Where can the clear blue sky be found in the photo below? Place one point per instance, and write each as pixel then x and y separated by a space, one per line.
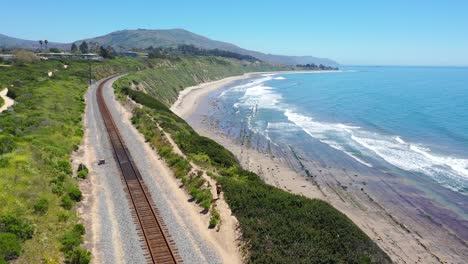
pixel 397 32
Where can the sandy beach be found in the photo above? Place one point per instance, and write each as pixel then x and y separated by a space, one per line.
pixel 371 201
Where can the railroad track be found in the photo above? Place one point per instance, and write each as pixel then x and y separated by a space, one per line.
pixel 154 236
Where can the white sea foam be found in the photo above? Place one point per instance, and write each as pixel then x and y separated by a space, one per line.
pixel 261 96
pixel 280 78
pixel 243 87
pixel 399 140
pixel 450 172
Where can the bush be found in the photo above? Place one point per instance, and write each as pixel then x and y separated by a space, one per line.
pixel 64 166
pixel 10 246
pixel 12 224
pixel 7 143
pixel 74 193
pixel 63 216
pixel 67 202
pixel 73 238
pixel 78 256
pixel 41 206
pixel 215 218
pixel 82 172
pixel 201 159
pixel 25 57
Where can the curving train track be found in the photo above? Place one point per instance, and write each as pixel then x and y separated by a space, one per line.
pixel 155 239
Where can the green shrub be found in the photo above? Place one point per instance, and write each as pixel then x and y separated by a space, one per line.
pixel 63 216
pixel 67 202
pixel 78 256
pixel 64 166
pixel 201 159
pixel 12 224
pixel 74 193
pixel 41 206
pixel 72 238
pixel 82 172
pixel 215 218
pixel 10 246
pixel 7 144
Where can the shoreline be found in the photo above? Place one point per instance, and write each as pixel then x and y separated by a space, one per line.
pixel 403 243
pixel 191 96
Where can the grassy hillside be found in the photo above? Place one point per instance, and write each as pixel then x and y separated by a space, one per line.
pixel 277 227
pixel 171 76
pixel 37 191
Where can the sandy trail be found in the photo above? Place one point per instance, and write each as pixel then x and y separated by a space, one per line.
pixel 8 101
pixel 402 243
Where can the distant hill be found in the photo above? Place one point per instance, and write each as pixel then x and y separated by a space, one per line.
pixel 10 43
pixel 144 38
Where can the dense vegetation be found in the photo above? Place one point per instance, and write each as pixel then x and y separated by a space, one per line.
pixel 314 67
pixel 37 136
pixel 277 227
pixel 194 51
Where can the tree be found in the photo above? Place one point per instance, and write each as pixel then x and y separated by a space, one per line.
pixel 40 43
pixel 55 50
pixel 106 53
pixel 84 47
pixel 24 57
pixel 74 48
pixel 46 42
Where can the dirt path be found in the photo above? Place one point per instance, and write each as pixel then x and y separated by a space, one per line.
pixel 7 100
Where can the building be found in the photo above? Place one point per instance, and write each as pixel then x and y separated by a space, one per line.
pixel 7 56
pixel 89 56
pixel 134 54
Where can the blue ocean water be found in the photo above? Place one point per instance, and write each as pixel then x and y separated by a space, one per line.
pixel 411 118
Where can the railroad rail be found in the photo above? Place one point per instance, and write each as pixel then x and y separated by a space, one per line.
pixel 154 236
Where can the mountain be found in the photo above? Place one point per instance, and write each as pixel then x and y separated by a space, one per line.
pixel 144 38
pixel 11 43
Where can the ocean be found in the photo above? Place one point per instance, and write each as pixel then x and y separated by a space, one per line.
pixel 406 120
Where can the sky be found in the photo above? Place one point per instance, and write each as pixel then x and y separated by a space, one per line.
pixel 397 32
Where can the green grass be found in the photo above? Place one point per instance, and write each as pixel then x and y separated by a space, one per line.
pixel 36 140
pixel 277 226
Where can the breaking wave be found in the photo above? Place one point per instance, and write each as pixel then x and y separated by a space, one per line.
pixel 364 146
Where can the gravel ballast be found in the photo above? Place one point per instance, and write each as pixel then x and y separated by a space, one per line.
pixel 115 238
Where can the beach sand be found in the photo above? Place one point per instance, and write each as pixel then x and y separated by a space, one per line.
pixel 369 200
